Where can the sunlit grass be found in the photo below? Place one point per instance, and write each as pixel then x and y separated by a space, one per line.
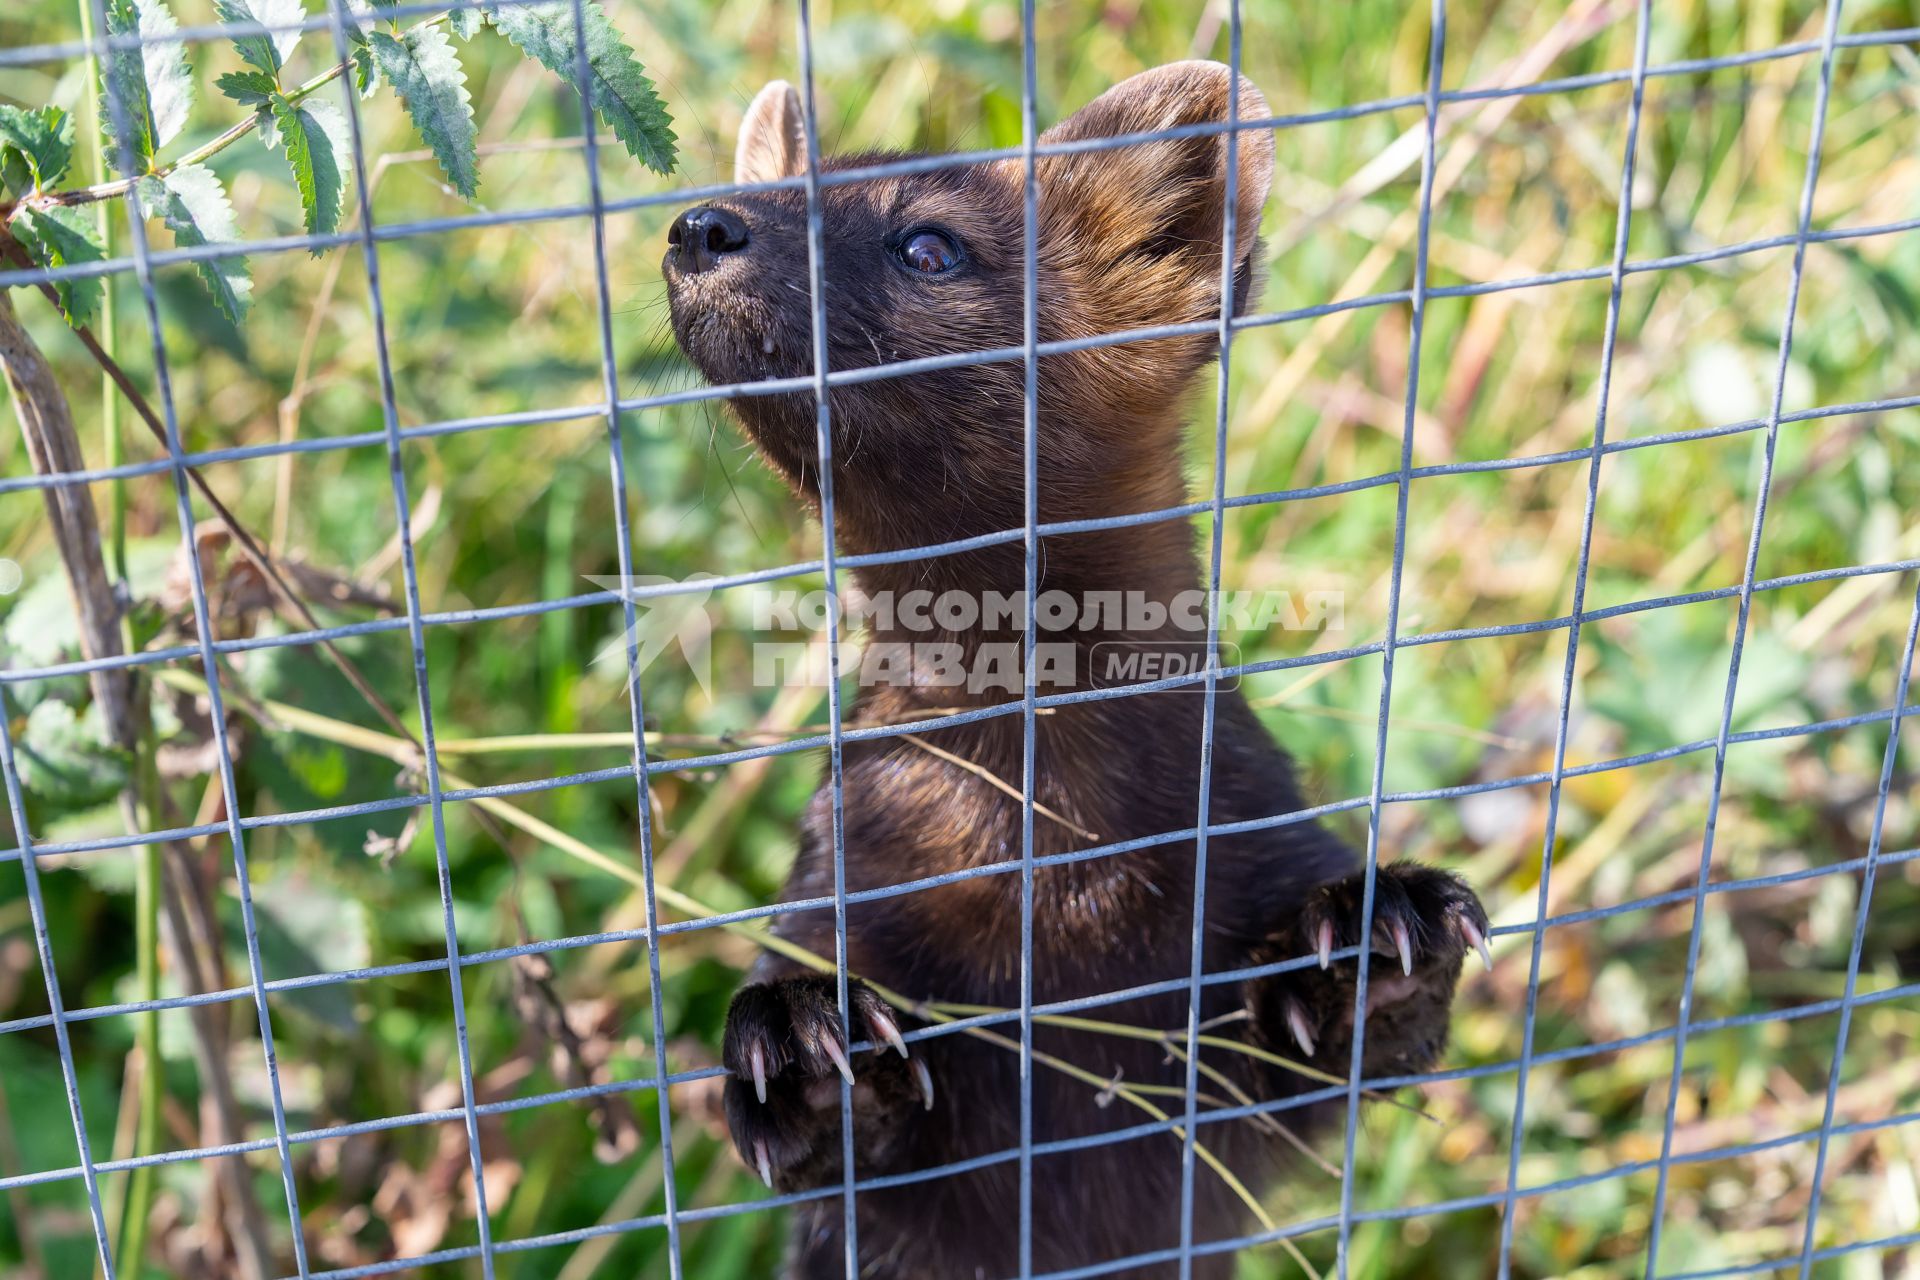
pixel 502 319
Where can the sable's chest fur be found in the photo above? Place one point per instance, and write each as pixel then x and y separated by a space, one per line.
pixel 1108 921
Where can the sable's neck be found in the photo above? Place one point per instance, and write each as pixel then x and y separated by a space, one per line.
pixel 1137 576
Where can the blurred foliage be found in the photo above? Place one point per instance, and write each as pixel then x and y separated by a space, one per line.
pixel 485 321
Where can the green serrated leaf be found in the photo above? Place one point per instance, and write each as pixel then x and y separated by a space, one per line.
pixel 620 91
pixel 193 204
pixel 153 83
pixel 126 84
pixel 425 72
pixel 15 176
pixel 366 74
pixel 65 236
pixel 67 761
pixel 169 78
pixel 250 88
pixel 357 13
pixel 44 138
pixel 315 136
pixel 464 22
pixel 269 52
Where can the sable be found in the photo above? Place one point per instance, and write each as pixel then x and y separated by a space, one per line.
pixel 931 264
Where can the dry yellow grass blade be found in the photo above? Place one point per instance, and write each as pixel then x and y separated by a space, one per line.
pixel 995 780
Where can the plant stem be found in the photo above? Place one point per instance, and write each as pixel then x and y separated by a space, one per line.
pixel 109 402
pixel 139 1188
pixel 146 934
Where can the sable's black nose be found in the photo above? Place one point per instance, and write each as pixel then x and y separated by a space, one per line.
pixel 701 235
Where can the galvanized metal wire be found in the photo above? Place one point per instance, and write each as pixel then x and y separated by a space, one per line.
pixel 1694 934
pixel 416 637
pixel 143 261
pixel 1623 223
pixel 1403 494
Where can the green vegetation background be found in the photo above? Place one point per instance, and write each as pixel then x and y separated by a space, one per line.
pixel 502 320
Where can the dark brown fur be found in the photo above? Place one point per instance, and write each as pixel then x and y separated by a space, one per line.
pixel 1127 238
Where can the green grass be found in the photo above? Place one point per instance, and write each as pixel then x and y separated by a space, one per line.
pixel 502 319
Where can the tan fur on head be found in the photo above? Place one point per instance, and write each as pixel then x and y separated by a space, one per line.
pixel 1156 209
pixel 1130 236
pixel 773 139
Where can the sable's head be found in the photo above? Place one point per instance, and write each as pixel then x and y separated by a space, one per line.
pixel 930 264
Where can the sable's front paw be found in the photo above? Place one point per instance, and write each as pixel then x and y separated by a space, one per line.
pixel 1424 921
pixel 786 1058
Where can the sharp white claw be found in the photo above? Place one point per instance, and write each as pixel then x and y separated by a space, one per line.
pixel 760 1162
pixel 758 1058
pixel 1297 1023
pixel 839 1057
pixel 1477 940
pixel 923 1078
pixel 1326 943
pixel 886 1029
pixel 1403 945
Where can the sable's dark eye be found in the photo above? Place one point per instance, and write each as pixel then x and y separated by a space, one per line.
pixel 930 252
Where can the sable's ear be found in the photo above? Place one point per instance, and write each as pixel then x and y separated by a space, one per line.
pixel 1161 195
pixel 773 139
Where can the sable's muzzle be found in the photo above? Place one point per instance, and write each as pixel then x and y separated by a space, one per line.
pixel 703 235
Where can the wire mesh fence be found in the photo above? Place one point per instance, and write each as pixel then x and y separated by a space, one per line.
pixel 435 795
